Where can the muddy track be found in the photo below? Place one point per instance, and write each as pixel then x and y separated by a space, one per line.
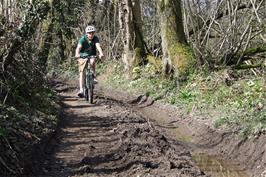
pixel 217 152
pixel 108 138
pixel 131 135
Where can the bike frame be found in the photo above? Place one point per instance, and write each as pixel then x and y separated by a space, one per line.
pixel 88 81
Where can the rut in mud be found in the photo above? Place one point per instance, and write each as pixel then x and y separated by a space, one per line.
pixel 109 139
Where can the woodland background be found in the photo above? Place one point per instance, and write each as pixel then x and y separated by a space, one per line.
pixel 196 54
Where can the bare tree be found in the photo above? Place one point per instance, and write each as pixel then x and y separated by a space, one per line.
pixel 227 32
pixel 8 9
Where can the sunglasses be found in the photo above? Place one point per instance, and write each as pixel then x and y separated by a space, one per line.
pixel 90 32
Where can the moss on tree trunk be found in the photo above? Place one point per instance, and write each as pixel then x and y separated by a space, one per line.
pixel 177 56
pixel 157 62
pixel 46 38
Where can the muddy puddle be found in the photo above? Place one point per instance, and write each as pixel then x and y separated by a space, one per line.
pixel 203 142
pixel 211 165
pixel 217 167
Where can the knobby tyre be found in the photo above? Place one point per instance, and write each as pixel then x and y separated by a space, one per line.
pixel 91 86
pixel 91 95
pixel 86 94
pixel 86 91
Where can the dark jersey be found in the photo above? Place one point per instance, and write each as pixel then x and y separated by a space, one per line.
pixel 88 46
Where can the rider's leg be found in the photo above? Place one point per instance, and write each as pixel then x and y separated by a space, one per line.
pixel 82 63
pixel 81 81
pixel 93 65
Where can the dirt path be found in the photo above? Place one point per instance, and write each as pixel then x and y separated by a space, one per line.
pixel 219 153
pixel 129 135
pixel 110 139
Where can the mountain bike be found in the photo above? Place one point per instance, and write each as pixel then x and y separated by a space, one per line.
pixel 88 80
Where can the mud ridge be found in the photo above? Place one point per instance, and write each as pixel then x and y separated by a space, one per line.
pixel 108 138
pixel 203 138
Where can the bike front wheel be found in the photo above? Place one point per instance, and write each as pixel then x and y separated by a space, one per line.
pixel 91 95
pixel 90 87
pixel 86 94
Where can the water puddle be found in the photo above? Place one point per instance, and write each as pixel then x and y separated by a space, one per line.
pixel 211 165
pixel 216 167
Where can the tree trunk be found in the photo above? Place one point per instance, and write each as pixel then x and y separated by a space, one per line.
pixel 177 57
pixel 130 24
pixel 91 12
pixel 9 10
pixel 2 7
pixel 137 21
pixel 24 32
pixel 46 37
pixel 5 6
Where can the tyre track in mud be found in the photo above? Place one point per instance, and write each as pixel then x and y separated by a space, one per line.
pixel 217 152
pixel 108 138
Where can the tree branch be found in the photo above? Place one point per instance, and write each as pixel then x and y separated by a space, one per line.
pixel 245 66
pixel 222 14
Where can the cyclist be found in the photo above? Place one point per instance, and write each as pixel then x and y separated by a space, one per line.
pixel 87 46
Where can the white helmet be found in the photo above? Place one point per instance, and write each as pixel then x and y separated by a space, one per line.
pixel 89 29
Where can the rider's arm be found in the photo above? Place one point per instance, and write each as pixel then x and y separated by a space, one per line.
pixel 77 54
pixel 98 46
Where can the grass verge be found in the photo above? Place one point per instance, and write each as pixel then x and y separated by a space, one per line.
pixel 235 103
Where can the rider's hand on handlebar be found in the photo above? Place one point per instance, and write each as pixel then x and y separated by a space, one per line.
pixel 101 56
pixel 77 56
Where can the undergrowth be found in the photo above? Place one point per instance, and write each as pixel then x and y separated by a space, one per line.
pixel 66 69
pixel 236 104
pixel 24 123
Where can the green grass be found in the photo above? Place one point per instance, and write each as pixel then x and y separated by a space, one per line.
pixel 240 106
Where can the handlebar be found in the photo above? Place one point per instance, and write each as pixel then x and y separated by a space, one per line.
pixel 88 57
